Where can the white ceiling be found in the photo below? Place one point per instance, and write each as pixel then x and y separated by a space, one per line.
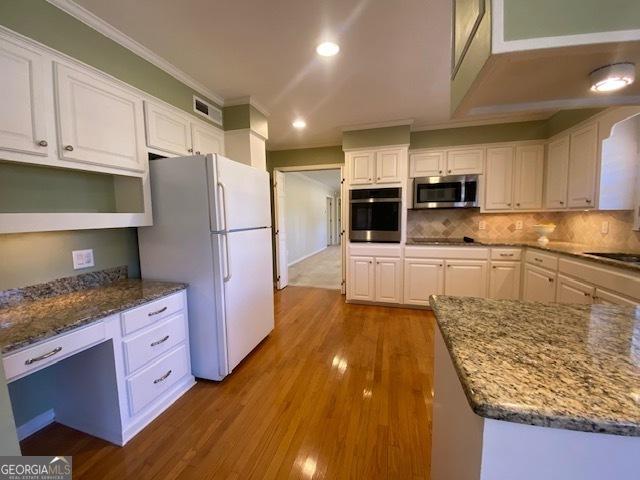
pixel 394 61
pixel 329 178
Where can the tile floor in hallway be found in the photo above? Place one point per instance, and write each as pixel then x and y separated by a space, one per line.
pixel 322 270
pixel 337 391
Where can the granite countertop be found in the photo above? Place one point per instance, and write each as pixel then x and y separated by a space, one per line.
pixel 30 320
pixel 567 248
pixel 574 367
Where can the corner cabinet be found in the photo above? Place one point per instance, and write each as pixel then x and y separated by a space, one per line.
pixel 583 165
pixel 99 122
pixel 376 166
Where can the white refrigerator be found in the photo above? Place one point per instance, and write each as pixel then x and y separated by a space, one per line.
pixel 212 230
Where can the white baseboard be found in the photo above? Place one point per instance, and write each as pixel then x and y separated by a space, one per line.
pixel 36 423
pixel 307 256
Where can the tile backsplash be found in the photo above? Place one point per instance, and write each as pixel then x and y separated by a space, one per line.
pixel 578 227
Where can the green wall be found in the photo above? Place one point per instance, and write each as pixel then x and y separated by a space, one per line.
pixel 568 118
pixel 31 258
pixel 550 18
pixel 238 117
pixel 304 157
pixel 376 137
pixel 47 24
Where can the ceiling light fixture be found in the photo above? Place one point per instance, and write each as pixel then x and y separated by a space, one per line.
pixel 327 49
pixel 612 77
pixel 299 124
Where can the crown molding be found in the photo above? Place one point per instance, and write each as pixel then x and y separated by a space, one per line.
pixel 109 31
pixel 368 126
pixel 294 146
pixel 247 100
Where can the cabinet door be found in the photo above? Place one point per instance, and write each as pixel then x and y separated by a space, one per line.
pixel 422 278
pixel 206 139
pixel 167 129
pixel 528 176
pixel 583 156
pixel 606 297
pixel 99 122
pixel 466 278
pixel 539 285
pixel 388 164
pixel 499 179
pixel 388 280
pixel 361 276
pixel 361 167
pixel 557 174
pixel 427 164
pixel 22 96
pixel 572 291
pixel 465 161
pixel 504 280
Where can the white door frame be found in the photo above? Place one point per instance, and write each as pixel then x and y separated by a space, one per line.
pixel 306 168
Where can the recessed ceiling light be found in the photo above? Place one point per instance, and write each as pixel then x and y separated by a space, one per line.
pixel 328 49
pixel 612 77
pixel 299 124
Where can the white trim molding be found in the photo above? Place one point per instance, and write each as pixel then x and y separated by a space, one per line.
pixel 368 126
pixel 247 100
pixel 35 424
pixel 109 31
pixel 500 45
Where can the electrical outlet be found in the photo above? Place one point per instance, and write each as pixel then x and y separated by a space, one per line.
pixel 482 225
pixel 82 259
pixel 604 228
pixel 519 225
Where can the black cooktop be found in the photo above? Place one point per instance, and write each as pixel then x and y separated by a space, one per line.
pixel 621 257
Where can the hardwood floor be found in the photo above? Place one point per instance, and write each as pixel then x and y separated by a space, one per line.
pixel 336 391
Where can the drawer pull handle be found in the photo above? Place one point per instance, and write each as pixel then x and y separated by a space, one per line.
pixel 506 254
pixel 68 148
pixel 158 342
pixel 587 294
pixel 537 259
pixel 157 312
pixel 550 280
pixel 162 378
pixel 43 143
pixel 43 356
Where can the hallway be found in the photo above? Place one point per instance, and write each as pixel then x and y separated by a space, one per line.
pixel 322 270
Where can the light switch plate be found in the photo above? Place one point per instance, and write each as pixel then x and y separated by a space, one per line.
pixel 604 228
pixel 82 259
pixel 482 225
pixel 519 225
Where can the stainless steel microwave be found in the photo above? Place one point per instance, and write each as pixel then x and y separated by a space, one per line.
pixel 453 191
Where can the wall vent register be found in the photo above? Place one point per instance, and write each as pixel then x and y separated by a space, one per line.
pixel 205 109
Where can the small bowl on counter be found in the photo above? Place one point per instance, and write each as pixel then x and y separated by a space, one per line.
pixel 542 230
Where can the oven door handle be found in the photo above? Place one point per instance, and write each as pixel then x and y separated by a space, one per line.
pixel 376 200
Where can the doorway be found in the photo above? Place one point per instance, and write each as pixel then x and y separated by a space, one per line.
pixel 307 226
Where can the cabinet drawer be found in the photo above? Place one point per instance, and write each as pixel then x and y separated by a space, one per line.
pixel 151 312
pixel 152 343
pixel 51 351
pixel 464 253
pixel 506 254
pixel 153 381
pixel 374 250
pixel 543 260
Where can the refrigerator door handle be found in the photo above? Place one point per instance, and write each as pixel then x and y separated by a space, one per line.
pixel 223 204
pixel 227 264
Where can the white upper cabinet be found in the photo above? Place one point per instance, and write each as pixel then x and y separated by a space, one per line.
pixel 465 161
pixel 557 174
pixel 528 177
pixel 361 166
pixel 583 160
pixel 99 122
pixel 427 164
pixel 388 163
pixel 22 98
pixel 206 139
pixel 499 178
pixel 167 129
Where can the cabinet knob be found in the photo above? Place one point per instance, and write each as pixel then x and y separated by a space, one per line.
pixel 439 171
pixel 378 178
pixel 43 143
pixel 588 201
pixel 561 202
pixel 550 280
pixel 517 204
pixel 441 265
pixel 587 294
pixel 190 150
pixel 68 148
pixel 448 171
pixel 494 267
pixel 508 204
pixel 198 152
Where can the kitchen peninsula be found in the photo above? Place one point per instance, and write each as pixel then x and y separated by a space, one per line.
pixel 530 390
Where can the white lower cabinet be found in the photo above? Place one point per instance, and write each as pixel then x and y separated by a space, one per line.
pixel 422 278
pixel 388 280
pixel 606 297
pixel 539 284
pixel 573 291
pixel 361 278
pixel 466 278
pixel 504 280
